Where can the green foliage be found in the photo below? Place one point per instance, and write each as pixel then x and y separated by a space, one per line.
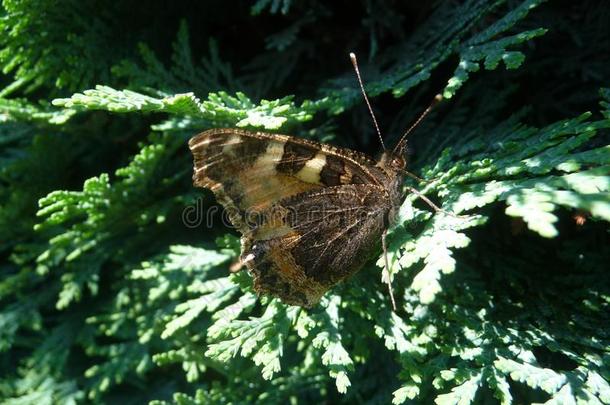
pixel 38 55
pixel 108 295
pixel 220 108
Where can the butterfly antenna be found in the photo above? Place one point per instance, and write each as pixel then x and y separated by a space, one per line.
pixel 437 99
pixel 352 56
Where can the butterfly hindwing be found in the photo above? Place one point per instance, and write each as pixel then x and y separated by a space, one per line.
pixel 305 244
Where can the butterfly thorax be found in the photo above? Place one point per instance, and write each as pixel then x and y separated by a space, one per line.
pixel 392 165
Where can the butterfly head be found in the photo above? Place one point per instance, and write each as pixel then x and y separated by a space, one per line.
pixel 392 162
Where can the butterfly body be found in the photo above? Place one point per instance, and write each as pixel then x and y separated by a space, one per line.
pixel 310 214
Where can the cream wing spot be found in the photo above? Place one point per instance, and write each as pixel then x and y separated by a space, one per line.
pixel 261 183
pixel 227 146
pixel 310 173
pixel 346 178
pixel 268 160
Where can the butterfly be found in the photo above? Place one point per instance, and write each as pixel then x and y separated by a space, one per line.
pixel 310 214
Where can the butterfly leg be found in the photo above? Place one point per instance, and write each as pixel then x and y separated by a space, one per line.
pixel 419 179
pixel 415 177
pixel 387 267
pixel 432 205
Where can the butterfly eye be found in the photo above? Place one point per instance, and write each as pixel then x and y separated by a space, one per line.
pixel 398 162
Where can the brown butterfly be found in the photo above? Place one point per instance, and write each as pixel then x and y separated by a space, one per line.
pixel 310 214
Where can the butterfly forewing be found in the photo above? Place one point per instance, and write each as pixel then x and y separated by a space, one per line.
pixel 252 170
